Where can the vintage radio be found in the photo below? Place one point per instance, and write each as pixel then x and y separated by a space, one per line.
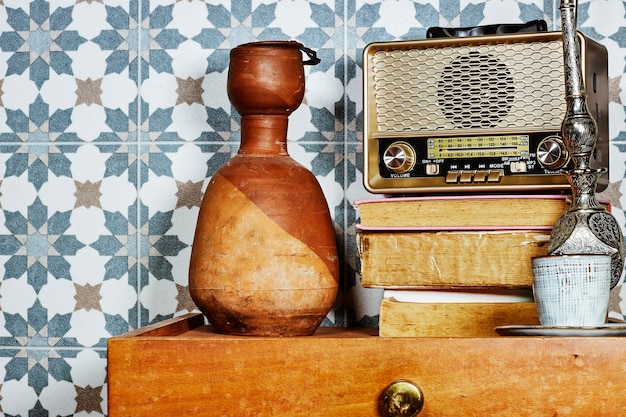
pixel 475 114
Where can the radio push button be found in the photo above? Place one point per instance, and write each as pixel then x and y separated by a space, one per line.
pixel 452 177
pixel 480 176
pixel 399 157
pixel 495 175
pixel 466 177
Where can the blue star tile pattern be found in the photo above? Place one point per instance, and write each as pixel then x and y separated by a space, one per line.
pixel 113 118
pixel 173 180
pixel 37 381
pixel 44 249
pixel 47 49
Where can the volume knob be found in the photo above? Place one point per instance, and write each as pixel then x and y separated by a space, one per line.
pixel 552 153
pixel 399 157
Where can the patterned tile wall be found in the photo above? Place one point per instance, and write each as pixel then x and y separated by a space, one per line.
pixel 114 114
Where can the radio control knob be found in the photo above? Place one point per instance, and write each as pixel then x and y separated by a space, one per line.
pixel 399 157
pixel 552 153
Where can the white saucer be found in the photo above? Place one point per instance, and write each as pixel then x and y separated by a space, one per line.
pixel 607 330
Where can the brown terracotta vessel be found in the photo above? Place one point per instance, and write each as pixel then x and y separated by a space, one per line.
pixel 264 258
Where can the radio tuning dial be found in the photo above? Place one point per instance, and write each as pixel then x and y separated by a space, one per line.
pixel 399 157
pixel 552 153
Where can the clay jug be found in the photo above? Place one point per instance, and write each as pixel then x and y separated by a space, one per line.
pixel 264 258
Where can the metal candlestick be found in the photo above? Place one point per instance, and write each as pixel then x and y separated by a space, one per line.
pixel 586 227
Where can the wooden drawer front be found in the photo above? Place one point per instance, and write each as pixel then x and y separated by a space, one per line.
pixel 343 372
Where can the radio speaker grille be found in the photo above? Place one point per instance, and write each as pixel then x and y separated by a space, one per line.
pixel 479 86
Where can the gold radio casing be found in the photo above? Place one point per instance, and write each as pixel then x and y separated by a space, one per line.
pixel 474 112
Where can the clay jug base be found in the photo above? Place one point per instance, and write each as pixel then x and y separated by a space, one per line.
pixel 279 326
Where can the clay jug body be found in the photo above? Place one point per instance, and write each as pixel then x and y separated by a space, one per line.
pixel 264 259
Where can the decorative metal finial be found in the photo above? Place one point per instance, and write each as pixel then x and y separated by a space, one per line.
pixel 579 128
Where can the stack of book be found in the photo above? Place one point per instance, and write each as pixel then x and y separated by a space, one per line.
pixel 454 265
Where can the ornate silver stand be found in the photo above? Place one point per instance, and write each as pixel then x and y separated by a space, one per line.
pixel 586 227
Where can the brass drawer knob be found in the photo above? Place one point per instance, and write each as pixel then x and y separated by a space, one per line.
pixel 403 399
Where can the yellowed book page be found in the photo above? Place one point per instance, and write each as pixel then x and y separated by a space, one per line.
pixel 459 258
pixel 402 319
pixel 462 212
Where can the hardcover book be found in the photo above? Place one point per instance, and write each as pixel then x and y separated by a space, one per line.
pixel 401 258
pixel 445 212
pixel 453 313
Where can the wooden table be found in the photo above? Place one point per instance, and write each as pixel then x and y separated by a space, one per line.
pixel 180 367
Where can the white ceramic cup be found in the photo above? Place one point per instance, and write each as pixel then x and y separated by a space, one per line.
pixel 572 290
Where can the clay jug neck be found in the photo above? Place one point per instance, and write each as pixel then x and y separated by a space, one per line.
pixel 264 135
